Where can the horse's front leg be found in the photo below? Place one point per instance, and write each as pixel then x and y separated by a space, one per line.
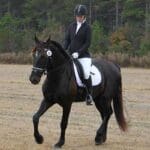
pixel 43 108
pixel 63 125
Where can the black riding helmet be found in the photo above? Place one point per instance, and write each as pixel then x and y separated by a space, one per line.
pixel 80 10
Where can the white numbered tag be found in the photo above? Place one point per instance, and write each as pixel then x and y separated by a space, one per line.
pixel 49 53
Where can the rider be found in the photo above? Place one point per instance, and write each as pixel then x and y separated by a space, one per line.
pixel 77 40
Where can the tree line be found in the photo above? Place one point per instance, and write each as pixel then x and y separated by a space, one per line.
pixel 117 25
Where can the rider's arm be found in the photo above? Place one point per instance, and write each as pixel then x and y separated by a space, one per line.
pixel 87 43
pixel 67 39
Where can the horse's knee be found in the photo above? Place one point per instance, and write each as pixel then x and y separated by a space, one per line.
pixel 63 125
pixel 35 118
pixel 110 112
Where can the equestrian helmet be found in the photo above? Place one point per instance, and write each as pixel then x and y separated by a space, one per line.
pixel 80 10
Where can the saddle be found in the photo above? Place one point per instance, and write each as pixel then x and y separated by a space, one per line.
pixel 95 73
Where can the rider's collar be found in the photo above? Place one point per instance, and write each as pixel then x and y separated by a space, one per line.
pixel 79 23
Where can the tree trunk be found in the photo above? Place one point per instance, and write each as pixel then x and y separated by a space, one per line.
pixel 90 12
pixel 117 14
pixel 147 19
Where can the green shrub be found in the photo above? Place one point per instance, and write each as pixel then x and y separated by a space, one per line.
pixel 10 35
pixel 99 40
pixel 144 47
pixel 53 29
pixel 126 40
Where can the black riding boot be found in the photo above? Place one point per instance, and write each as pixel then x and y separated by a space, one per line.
pixel 88 84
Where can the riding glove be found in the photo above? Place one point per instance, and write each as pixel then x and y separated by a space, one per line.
pixel 75 55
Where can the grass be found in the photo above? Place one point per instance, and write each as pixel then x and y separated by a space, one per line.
pixel 19 100
pixel 124 60
pixel 15 58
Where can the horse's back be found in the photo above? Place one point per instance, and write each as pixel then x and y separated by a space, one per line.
pixel 107 66
pixel 111 73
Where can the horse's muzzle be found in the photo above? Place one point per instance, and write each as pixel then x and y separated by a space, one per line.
pixel 34 79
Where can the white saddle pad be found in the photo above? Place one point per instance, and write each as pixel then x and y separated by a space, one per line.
pixel 95 75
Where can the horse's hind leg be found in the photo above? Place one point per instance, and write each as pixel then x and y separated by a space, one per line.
pixel 103 105
pixel 43 107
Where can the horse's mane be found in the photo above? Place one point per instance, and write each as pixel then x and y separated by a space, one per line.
pixel 58 45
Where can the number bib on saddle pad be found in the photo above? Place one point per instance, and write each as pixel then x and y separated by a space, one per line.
pixel 95 75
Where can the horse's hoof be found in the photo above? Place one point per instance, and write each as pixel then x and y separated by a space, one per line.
pixel 39 139
pixel 99 140
pixel 59 144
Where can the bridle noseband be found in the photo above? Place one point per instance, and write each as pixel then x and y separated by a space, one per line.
pixel 38 69
pixel 41 70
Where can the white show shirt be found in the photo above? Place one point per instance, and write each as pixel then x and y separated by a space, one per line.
pixel 79 24
pixel 85 62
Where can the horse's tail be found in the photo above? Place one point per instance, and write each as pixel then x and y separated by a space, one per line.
pixel 118 107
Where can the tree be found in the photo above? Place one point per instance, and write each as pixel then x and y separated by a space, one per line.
pixel 8 32
pixel 147 19
pixel 134 11
pixel 27 17
pixel 99 41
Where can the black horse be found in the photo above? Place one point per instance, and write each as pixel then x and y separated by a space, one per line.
pixel 60 87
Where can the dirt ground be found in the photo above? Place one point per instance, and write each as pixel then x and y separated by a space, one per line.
pixel 19 100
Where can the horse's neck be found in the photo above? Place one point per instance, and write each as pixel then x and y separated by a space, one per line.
pixel 59 81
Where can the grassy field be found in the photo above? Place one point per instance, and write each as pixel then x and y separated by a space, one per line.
pixel 19 100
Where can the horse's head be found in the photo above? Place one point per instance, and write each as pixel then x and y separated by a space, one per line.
pixel 46 56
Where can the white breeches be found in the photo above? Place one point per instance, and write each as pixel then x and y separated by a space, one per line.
pixel 86 65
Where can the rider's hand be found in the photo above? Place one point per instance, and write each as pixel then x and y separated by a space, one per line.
pixel 75 55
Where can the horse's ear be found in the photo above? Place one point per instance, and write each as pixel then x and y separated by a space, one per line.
pixel 36 39
pixel 49 39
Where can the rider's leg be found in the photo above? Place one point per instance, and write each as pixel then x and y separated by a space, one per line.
pixel 88 83
pixel 86 65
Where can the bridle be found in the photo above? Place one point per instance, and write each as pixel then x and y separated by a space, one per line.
pixel 45 71
pixel 38 69
pixel 41 70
